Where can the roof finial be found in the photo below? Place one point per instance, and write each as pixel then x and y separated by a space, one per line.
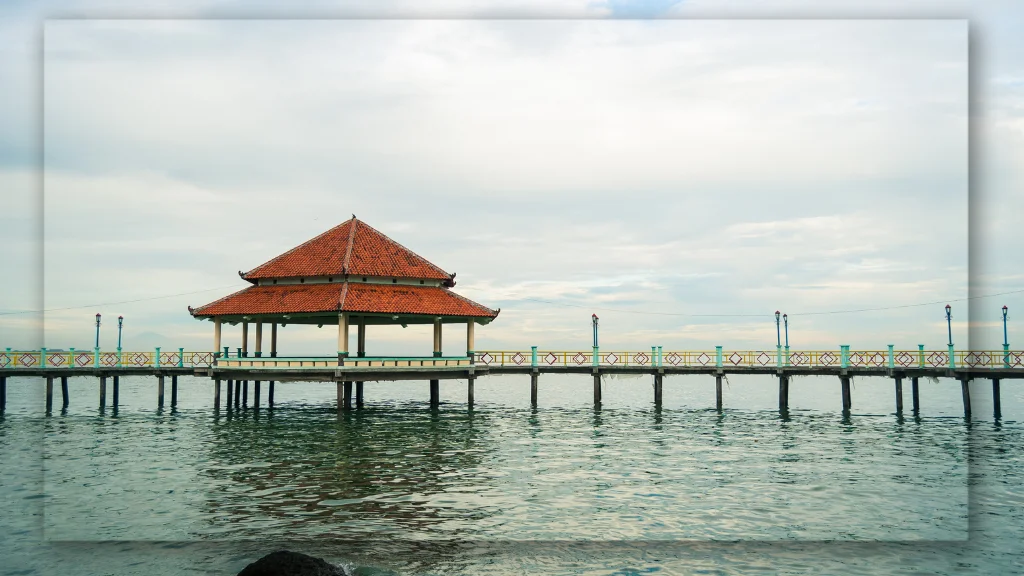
pixel 353 216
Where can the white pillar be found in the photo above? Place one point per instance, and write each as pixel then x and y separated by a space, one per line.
pixel 470 337
pixel 259 338
pixel 343 334
pixel 216 334
pixel 273 339
pixel 361 338
pixel 437 337
pixel 245 338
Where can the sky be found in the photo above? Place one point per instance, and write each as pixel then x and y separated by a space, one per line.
pixel 682 169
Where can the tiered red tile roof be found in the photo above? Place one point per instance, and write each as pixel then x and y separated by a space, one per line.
pixel 350 248
pixel 360 250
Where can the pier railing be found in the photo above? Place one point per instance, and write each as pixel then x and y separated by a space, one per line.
pixel 655 357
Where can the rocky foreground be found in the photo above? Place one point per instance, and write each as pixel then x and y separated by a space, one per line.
pixel 285 563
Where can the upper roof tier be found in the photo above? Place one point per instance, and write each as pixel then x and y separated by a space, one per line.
pixel 352 248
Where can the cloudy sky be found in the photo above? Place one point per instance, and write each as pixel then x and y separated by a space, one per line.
pixel 682 177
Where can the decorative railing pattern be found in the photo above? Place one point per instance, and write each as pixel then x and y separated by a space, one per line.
pixel 656 357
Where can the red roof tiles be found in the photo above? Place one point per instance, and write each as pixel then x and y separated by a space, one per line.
pixel 350 248
pixel 345 297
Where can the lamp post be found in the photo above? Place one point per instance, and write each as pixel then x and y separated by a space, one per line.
pixel 949 323
pixel 778 341
pixel 785 323
pixel 97 330
pixel 120 322
pixel 1006 342
pixel 596 358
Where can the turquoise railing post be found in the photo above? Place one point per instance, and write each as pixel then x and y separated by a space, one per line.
pixel 533 356
pixel 597 356
pixel 156 358
pixel 654 356
pixel 892 361
pixel 718 356
pixel 181 357
pixel 952 361
pixel 778 356
pixel 96 357
pixel 120 357
pixel 844 355
pixel 227 352
pixel 42 357
pixel 920 355
pixel 1006 355
pixel 661 358
pixel 71 357
pixel 787 354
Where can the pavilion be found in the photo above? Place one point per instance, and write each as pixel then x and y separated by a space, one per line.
pixel 350 274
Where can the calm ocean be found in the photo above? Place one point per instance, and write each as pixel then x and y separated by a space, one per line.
pixel 506 489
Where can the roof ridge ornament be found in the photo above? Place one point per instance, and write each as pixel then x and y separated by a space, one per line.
pixel 450 282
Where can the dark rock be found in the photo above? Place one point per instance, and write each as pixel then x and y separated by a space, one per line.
pixel 285 563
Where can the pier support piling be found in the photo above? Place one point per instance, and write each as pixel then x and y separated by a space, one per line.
pixel 783 392
pixel 49 394
pixel 103 392
pixel 270 389
pixel 3 393
pixel 996 410
pixel 117 391
pixel 658 382
pixel 359 395
pixel 469 398
pixel 899 394
pixel 341 396
pixel 245 393
pixel 534 377
pixel 847 398
pixel 597 389
pixel 965 389
pixel 256 393
pixel 347 398
pixel 160 391
pixel 914 399
pixel 216 394
pixel 238 393
pixel 435 393
pixel 174 390
pixel 64 392
pixel 718 392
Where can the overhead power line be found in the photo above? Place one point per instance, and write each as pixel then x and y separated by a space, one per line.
pixel 114 303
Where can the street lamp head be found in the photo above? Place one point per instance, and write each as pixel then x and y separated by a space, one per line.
pixel 776 314
pixel 1004 310
pixel 97 318
pixel 785 316
pixel 948 308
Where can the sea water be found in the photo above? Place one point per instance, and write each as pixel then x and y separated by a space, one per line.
pixel 505 488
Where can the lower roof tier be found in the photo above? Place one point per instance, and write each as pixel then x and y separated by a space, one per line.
pixel 357 298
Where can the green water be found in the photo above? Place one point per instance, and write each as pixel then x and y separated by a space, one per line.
pixel 507 489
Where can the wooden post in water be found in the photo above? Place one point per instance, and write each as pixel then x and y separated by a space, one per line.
pixel 899 394
pixel 117 390
pixel 469 399
pixel 174 390
pixel 965 389
pixel 64 392
pixel 913 395
pixel 216 394
pixel 238 393
pixel 359 394
pixel 103 392
pixel 160 390
pixel 847 399
pixel 347 405
pixel 3 393
pixel 49 394
pixel 534 377
pixel 783 392
pixel 341 396
pixel 245 393
pixel 256 393
pixel 659 380
pixel 270 395
pixel 435 393
pixel 996 410
pixel 597 388
pixel 718 392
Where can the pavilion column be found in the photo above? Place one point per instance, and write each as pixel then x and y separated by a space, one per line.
pixel 245 338
pixel 259 339
pixel 342 337
pixel 273 340
pixel 437 337
pixel 361 338
pixel 470 338
pixel 216 337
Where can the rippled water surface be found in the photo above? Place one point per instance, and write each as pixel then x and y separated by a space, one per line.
pixel 505 488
